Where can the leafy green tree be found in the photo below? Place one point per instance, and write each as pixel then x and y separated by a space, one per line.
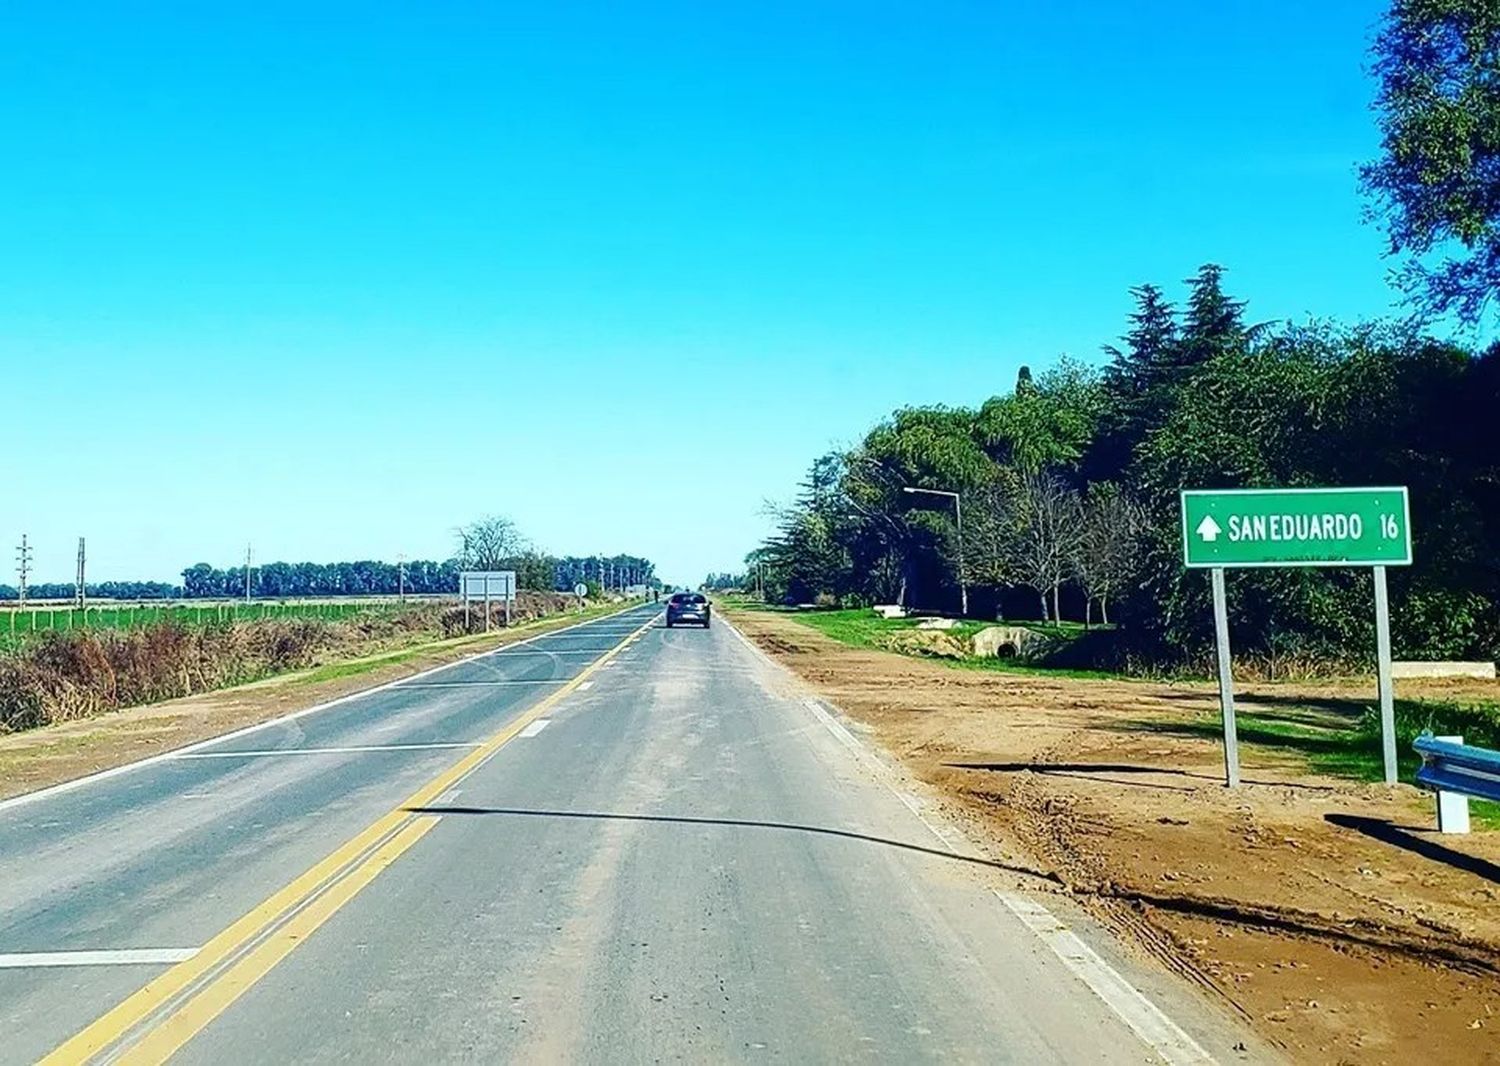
pixel 1436 185
pixel 897 544
pixel 1046 422
pixel 808 553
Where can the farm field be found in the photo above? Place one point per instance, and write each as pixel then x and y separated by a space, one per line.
pixel 20 624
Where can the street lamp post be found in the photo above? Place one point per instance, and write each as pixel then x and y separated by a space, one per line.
pixel 958 514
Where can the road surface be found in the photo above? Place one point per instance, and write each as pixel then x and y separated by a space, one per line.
pixel 617 843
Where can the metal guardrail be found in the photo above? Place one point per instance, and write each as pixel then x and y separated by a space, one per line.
pixel 1450 767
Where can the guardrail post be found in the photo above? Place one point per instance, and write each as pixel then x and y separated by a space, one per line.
pixel 1452 807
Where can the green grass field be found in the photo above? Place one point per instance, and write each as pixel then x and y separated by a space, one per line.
pixel 17 626
pixel 863 628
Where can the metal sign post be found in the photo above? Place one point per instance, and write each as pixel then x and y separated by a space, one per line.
pixel 1383 676
pixel 1226 682
pixel 1298 527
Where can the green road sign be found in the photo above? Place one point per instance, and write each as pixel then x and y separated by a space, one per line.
pixel 1295 527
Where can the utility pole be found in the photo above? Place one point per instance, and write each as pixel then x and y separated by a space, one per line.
pixel 80 594
pixel 23 570
pixel 401 577
pixel 247 573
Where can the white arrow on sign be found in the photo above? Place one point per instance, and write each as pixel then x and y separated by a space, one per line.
pixel 1208 529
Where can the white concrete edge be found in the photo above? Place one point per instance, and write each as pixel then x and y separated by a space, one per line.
pixel 1132 1006
pixel 177 753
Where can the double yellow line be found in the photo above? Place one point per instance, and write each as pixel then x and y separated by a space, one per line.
pixel 172 1009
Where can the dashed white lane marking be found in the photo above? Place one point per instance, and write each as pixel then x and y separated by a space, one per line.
pixel 585 686
pixel 126 957
pixel 352 748
pixel 449 796
pixel 1130 1005
pixel 534 728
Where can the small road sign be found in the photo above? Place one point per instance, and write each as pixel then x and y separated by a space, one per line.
pixel 1295 527
pixel 484 585
pixel 580 590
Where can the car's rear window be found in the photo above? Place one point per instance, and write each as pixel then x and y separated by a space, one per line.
pixel 687 597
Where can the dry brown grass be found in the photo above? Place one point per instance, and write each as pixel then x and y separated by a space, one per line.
pixel 80 673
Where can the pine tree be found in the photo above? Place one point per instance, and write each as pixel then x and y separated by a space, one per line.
pixel 1212 325
pixel 1150 346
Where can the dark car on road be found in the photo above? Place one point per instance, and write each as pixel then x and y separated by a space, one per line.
pixel 688 607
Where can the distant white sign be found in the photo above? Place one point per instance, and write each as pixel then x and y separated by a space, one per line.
pixel 487 585
pixel 580 590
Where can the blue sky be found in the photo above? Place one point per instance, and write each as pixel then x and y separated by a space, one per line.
pixel 333 279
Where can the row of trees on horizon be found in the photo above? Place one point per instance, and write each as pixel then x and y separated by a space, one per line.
pixel 490 543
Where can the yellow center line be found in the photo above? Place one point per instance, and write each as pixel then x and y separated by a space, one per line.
pixel 111 1027
pixel 162 1042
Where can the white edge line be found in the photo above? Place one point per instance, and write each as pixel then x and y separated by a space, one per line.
pixel 1148 1021
pixel 123 768
pixel 123 957
pixel 1144 1017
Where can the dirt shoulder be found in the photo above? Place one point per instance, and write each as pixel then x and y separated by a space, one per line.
pixel 1328 914
pixel 39 758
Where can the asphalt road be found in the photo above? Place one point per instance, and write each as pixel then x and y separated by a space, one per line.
pixel 652 848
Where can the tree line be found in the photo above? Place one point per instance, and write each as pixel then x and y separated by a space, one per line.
pixel 1068 485
pixel 489 543
pixel 1069 482
pixel 108 590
